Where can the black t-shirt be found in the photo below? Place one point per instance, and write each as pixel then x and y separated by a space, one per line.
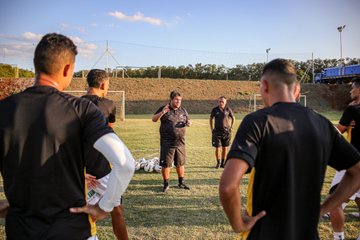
pixel 173 125
pixel 288 147
pixel 222 118
pixel 96 164
pixel 352 113
pixel 106 106
pixel 42 136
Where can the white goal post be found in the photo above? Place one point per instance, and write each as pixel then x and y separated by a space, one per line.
pixel 118 97
pixel 256 99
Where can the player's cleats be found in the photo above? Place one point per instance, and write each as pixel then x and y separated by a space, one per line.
pixel 166 188
pixel 183 186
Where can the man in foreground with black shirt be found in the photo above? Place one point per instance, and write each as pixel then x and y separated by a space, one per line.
pixel 42 134
pixel 286 148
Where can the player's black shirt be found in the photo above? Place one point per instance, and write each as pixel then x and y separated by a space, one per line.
pixel 288 147
pixel 42 136
pixel 222 118
pixel 173 125
pixel 96 163
pixel 106 106
pixel 352 113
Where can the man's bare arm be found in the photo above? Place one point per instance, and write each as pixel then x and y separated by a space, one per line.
pixel 230 196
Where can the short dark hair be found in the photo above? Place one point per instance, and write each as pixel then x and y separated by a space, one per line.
pixel 284 69
pixel 52 51
pixel 174 94
pixel 222 97
pixel 95 77
pixel 356 82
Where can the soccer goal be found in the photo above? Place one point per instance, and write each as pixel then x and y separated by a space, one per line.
pixel 256 102
pixel 118 97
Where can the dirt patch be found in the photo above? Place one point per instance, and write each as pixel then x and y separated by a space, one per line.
pixel 199 96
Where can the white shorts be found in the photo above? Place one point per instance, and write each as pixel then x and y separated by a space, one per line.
pixel 337 178
pixel 95 194
pixel 93 238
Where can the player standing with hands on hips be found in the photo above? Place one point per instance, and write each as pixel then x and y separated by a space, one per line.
pixel 221 133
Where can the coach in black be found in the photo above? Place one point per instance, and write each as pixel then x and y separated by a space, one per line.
pixel 221 133
pixel 174 119
pixel 42 134
pixel 286 148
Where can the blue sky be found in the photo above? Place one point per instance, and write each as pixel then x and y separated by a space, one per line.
pixel 148 33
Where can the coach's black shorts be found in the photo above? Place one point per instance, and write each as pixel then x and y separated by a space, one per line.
pixel 221 138
pixel 168 155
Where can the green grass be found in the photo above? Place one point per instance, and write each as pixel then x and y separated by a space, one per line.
pixel 181 214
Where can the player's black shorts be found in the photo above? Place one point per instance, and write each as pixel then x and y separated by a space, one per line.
pixel 170 154
pixel 221 138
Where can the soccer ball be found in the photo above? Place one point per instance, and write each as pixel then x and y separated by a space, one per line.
pixel 149 167
pixel 156 160
pixel 137 166
pixel 142 162
pixel 157 168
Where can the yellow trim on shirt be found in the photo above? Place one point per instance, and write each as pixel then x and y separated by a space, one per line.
pixel 91 221
pixel 348 134
pixel 249 202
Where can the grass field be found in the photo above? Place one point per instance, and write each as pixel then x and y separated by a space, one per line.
pixel 181 214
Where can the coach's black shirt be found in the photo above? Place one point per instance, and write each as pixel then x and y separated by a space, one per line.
pixel 222 118
pixel 42 136
pixel 288 147
pixel 173 125
pixel 352 113
pixel 96 164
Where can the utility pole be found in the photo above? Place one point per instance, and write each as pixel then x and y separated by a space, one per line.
pixel 340 29
pixel 267 54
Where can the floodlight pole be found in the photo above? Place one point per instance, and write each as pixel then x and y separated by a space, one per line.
pixel 340 29
pixel 107 56
pixel 267 54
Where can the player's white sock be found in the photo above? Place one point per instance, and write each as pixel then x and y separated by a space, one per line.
pixel 339 236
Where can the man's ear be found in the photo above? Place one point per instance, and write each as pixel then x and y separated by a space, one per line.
pixel 102 86
pixel 265 85
pixel 296 91
pixel 66 71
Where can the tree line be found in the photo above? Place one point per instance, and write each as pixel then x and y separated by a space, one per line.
pixel 8 71
pixel 250 72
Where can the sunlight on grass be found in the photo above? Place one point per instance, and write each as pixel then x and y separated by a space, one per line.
pixel 181 214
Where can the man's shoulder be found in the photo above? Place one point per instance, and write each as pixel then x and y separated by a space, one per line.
pixel 108 101
pixel 228 109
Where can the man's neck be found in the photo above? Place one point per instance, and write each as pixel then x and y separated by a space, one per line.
pixel 281 97
pixel 42 79
pixel 175 108
pixel 95 91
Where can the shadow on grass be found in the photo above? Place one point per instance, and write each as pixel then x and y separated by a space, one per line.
pixel 178 211
pixel 191 182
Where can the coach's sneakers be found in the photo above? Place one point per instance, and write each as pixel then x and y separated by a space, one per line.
pixel 217 165
pixel 166 188
pixel 183 186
